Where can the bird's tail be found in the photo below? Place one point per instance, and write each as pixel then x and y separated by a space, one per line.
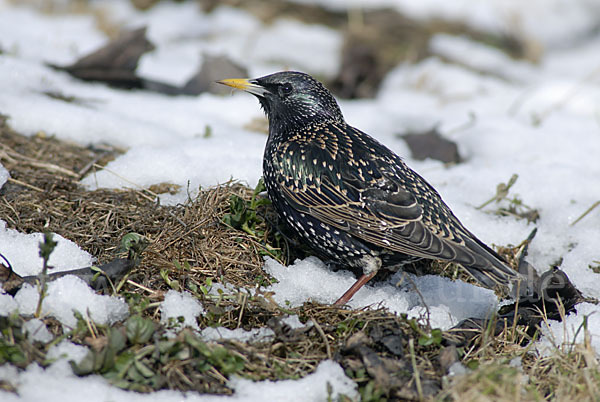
pixel 489 268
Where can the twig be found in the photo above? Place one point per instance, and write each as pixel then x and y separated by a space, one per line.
pixel 421 297
pixel 137 285
pixel 22 183
pixel 46 248
pixel 322 333
pixel 244 300
pixel 413 360
pixel 594 205
pixel 87 167
pixel 139 189
pixel 501 191
pixel 32 162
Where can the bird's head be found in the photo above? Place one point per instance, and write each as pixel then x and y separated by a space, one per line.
pixel 291 99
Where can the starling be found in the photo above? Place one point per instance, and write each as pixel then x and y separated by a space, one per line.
pixel 351 198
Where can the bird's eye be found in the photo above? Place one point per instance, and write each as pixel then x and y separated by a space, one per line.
pixel 286 89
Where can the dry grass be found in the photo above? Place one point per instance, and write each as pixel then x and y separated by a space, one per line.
pixel 518 373
pixel 43 194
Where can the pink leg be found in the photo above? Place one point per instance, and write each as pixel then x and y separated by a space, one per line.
pixel 354 288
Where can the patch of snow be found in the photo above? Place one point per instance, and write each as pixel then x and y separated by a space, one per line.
pixel 563 335
pixel 22 251
pixel 310 388
pixel 448 301
pixel 180 304
pixel 68 294
pixel 290 42
pixel 4 175
pixel 37 331
pixel 294 322
pixel 564 21
pixel 66 350
pixel 239 334
pixel 8 305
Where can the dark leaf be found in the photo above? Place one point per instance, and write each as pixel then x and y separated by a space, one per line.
pixel 114 63
pixel 432 145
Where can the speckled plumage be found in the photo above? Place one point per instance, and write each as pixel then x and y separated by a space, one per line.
pixel 349 196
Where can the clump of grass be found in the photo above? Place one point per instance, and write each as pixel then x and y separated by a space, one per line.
pixel 514 206
pixel 137 356
pixel 509 367
pixel 248 216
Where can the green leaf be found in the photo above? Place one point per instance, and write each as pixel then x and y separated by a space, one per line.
pixel 122 365
pixel 143 369
pixel 139 330
pixel 116 339
pixel 434 338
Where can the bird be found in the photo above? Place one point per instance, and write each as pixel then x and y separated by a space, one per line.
pixel 348 196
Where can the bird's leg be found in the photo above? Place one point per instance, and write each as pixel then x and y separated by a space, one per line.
pixel 370 268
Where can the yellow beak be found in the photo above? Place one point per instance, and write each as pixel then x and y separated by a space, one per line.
pixel 244 85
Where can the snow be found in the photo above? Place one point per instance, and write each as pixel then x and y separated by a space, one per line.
pixel 68 294
pixel 4 175
pixel 180 305
pixel 310 388
pixel 565 335
pixel 448 302
pixel 253 335
pixel 239 334
pixel 563 20
pixel 22 251
pixel 37 331
pixel 538 120
pixel 57 383
pixel 288 42
pixel 65 351
pixel 8 305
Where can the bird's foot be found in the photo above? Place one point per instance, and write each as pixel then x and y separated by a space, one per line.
pixel 354 288
pixel 371 266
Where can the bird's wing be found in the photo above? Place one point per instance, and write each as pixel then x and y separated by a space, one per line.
pixel 374 196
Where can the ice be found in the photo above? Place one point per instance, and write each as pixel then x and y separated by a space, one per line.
pixel 180 304
pixel 22 251
pixel 68 294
